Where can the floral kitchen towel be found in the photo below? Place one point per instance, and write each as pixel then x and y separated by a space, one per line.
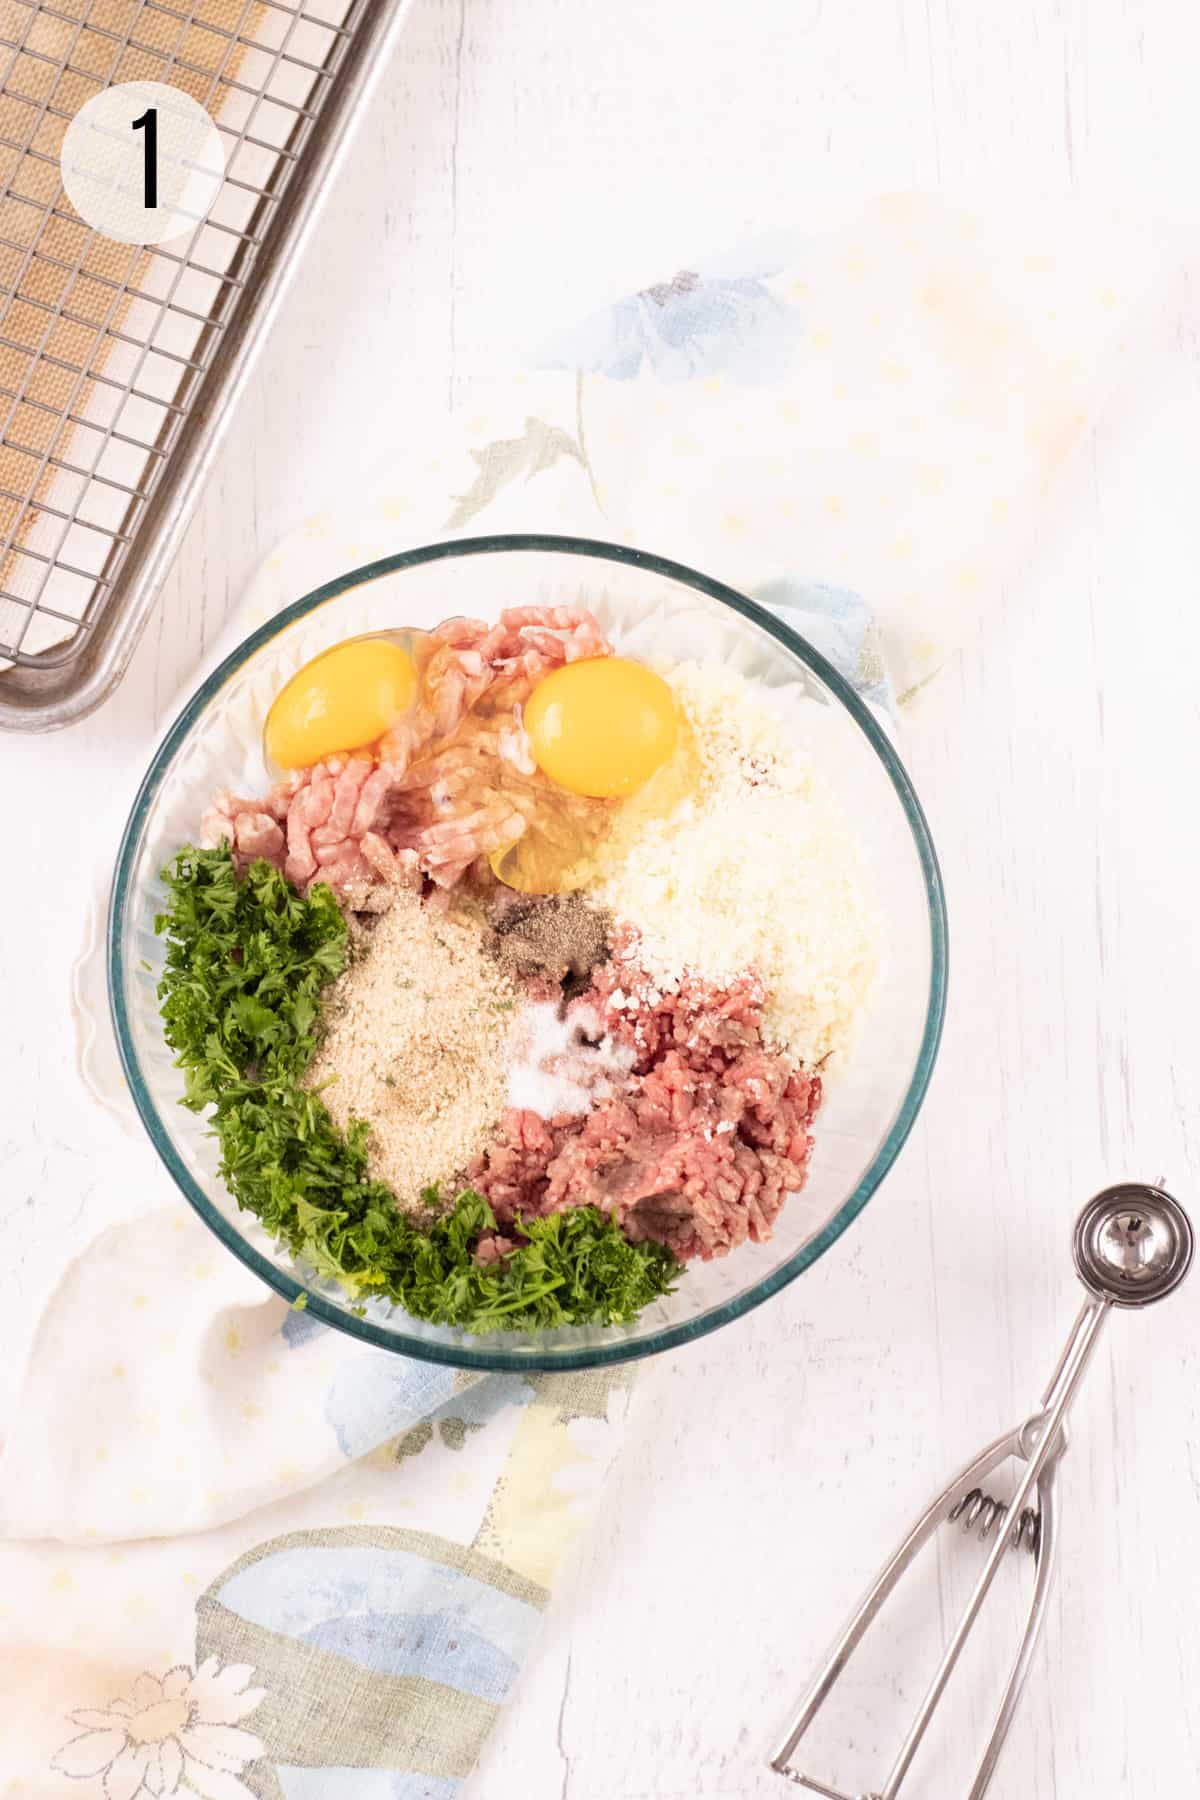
pixel 239 1553
pixel 243 1555
pixel 865 425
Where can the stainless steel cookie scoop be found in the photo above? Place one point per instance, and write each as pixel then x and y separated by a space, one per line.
pixel 1132 1245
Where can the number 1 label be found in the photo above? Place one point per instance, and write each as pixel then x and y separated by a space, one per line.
pixel 149 120
pixel 141 163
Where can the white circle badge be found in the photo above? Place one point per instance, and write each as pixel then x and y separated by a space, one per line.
pixel 142 162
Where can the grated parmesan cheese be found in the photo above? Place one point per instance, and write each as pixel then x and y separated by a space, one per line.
pixel 753 868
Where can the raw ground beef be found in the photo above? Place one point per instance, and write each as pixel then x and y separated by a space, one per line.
pixel 701 1149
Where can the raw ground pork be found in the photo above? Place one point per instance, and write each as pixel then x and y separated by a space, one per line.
pixel 698 1153
pixel 454 781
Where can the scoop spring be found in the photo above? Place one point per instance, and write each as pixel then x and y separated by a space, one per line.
pixel 983 1510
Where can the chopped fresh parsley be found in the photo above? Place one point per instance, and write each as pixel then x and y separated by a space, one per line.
pixel 246 962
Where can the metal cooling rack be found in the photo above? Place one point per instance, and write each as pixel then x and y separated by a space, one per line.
pixel 125 423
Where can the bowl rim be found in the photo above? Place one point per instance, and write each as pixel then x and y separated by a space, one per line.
pixel 670 1336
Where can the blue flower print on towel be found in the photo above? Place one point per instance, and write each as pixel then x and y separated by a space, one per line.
pixel 299 1327
pixel 688 328
pixel 392 1611
pixel 363 1784
pixel 377 1396
pixel 381 1657
pixel 841 626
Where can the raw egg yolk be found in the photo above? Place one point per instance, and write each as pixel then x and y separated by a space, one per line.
pixel 602 726
pixel 345 698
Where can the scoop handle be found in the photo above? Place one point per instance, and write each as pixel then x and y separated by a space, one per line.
pixel 1046 1427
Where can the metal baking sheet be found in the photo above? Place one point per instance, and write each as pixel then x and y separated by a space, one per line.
pixel 120 366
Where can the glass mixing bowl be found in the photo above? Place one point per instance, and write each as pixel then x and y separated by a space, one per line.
pixel 652 607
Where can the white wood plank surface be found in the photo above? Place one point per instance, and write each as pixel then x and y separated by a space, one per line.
pixel 521 162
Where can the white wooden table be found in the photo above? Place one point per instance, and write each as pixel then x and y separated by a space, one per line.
pixel 521 162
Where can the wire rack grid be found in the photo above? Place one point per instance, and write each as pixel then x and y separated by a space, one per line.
pixel 118 364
